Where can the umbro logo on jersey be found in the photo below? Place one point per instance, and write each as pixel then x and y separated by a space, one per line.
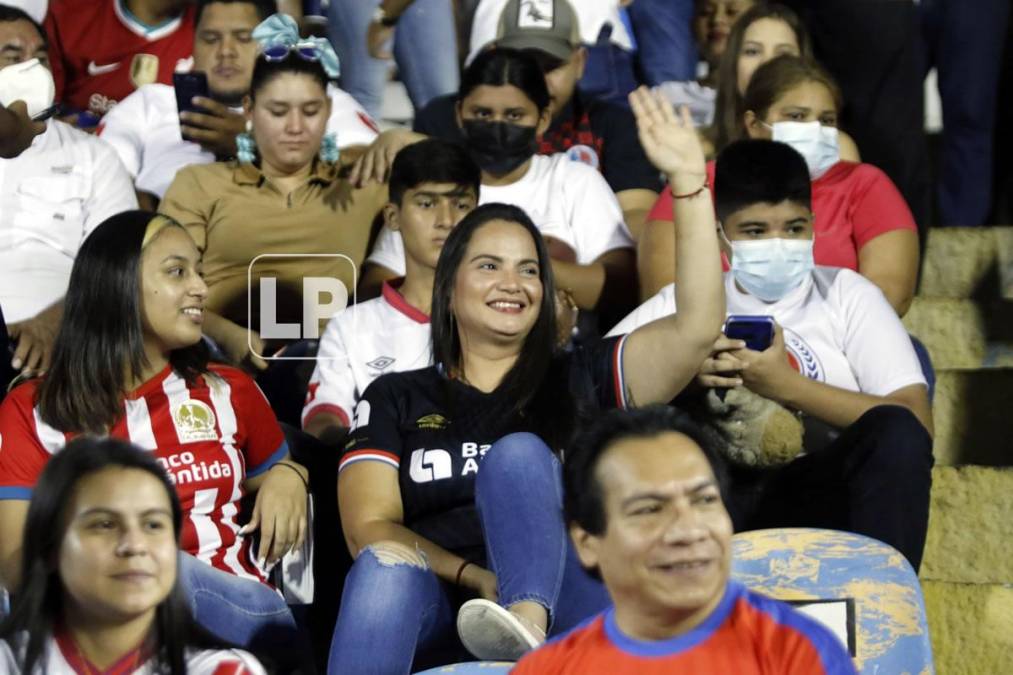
pixel 434 421
pixel 195 421
pixel 95 69
pixel 381 362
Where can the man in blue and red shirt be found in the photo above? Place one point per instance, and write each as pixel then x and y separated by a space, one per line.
pixel 643 499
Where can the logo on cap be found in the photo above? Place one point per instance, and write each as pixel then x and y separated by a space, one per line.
pixel 535 14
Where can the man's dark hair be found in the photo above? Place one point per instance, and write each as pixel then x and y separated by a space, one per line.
pixel 583 496
pixel 265 8
pixel 755 171
pixel 433 161
pixel 9 14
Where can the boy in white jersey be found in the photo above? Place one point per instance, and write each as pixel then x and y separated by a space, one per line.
pixel 433 184
pixel 840 357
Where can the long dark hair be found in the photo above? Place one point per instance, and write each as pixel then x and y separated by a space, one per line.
pixel 501 66
pixel 38 603
pixel 536 387
pixel 727 125
pixel 101 337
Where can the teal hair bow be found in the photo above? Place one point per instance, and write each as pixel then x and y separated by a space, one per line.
pixel 281 30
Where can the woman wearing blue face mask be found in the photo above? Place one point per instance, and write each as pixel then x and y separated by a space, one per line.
pixel 861 220
pixel 839 357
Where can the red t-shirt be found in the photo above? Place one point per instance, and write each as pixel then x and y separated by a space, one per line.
pixel 747 634
pixel 100 53
pixel 209 437
pixel 853 204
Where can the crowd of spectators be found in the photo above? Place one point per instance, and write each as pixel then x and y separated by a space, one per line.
pixel 292 388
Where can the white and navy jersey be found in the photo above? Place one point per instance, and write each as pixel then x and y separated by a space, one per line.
pixel 209 436
pixel 838 329
pixel 434 431
pixel 62 657
pixel 144 131
pixel 361 343
pixel 566 199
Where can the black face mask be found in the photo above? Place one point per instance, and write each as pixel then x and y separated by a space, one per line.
pixel 499 147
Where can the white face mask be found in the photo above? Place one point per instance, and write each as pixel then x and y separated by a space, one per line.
pixel 771 268
pixel 30 82
pixel 817 144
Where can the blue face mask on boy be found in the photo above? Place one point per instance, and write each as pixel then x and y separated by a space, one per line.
pixel 771 268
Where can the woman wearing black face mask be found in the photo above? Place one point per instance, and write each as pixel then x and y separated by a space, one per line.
pixel 503 109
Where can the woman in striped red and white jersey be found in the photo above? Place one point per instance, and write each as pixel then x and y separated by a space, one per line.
pixel 129 363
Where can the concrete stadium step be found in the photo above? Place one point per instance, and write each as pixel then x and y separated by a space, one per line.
pixel 970 627
pixel 972 415
pixel 970 526
pixel 964 262
pixel 963 333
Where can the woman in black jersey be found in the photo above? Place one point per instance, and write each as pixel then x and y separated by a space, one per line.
pixel 427 528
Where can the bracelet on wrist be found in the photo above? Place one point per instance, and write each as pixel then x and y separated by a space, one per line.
pixel 460 571
pixel 305 482
pixel 688 195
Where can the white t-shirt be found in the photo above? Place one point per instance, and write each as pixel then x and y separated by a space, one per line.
pixel 591 16
pixel 567 200
pixel 382 335
pixel 51 197
pixel 60 657
pixel 144 130
pixel 838 329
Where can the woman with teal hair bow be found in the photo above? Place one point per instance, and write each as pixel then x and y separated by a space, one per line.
pixel 284 194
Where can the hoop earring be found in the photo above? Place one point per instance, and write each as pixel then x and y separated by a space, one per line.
pixel 329 151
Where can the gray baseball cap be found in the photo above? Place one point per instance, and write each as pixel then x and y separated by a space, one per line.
pixel 547 25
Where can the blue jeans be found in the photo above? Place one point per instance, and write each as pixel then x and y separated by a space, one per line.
pixel 241 612
pixel 925 361
pixel 666 49
pixel 424 48
pixel 609 74
pixel 391 610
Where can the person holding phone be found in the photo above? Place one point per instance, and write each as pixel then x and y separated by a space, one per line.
pixel 52 195
pixel 159 129
pixel 839 356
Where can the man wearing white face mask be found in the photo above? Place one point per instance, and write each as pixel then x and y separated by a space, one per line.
pixel 52 196
pixel 839 356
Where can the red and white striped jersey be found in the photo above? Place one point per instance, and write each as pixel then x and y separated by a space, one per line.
pixel 209 436
pixel 62 657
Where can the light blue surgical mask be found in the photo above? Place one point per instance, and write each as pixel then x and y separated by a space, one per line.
pixel 818 144
pixel 771 268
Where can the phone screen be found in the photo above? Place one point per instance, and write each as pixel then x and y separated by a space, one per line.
pixel 756 331
pixel 187 86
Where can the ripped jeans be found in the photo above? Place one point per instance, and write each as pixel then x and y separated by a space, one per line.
pixel 394 606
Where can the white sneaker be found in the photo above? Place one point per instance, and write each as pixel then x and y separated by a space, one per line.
pixel 493 633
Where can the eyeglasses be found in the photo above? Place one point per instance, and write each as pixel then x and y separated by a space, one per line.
pixel 307 51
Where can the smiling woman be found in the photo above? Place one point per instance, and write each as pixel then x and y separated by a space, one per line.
pixel 502 398
pixel 129 362
pixel 100 592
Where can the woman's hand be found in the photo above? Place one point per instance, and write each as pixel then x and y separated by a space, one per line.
pixel 375 163
pixel 670 141
pixel 279 512
pixel 481 581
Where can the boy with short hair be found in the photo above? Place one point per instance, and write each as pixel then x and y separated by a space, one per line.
pixel 433 185
pixel 839 356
